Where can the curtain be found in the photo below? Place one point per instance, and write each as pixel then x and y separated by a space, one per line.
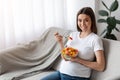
pixel 25 20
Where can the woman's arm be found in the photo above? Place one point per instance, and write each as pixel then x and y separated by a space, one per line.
pixel 59 39
pixel 98 65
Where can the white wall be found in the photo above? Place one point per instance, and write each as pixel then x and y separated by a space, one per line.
pixel 102 26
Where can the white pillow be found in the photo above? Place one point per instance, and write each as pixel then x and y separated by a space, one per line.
pixel 112 55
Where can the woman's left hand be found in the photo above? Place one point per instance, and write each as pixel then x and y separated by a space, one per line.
pixel 75 59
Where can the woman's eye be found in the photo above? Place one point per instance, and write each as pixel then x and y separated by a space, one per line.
pixel 86 20
pixel 79 20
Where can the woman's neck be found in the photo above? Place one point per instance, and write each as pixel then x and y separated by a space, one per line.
pixel 84 34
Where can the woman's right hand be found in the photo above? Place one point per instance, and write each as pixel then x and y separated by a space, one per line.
pixel 58 37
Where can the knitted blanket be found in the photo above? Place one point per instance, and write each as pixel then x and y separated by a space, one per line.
pixel 33 56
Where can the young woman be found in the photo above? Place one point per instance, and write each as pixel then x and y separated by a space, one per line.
pixel 89 46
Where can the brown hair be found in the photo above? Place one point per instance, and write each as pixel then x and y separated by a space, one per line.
pixel 88 11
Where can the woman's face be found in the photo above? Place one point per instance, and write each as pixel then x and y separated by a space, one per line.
pixel 84 22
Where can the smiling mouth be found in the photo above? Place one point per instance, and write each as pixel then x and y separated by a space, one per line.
pixel 84 27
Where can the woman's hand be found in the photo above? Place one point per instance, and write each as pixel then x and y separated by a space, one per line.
pixel 58 37
pixel 64 58
pixel 98 65
pixel 74 59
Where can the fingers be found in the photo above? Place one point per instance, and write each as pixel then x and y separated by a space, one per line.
pixel 64 58
pixel 58 37
pixel 56 33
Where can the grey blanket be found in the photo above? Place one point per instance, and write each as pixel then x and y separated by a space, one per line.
pixel 33 56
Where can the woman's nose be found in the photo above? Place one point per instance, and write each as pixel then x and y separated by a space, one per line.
pixel 82 23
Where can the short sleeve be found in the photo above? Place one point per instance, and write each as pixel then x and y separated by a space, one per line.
pixel 98 44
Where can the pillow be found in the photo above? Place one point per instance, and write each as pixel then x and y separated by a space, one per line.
pixel 112 55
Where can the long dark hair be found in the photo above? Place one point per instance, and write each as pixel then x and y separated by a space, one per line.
pixel 88 11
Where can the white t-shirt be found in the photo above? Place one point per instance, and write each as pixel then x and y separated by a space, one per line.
pixel 86 47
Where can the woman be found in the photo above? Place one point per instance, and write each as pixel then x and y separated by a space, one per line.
pixel 89 45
